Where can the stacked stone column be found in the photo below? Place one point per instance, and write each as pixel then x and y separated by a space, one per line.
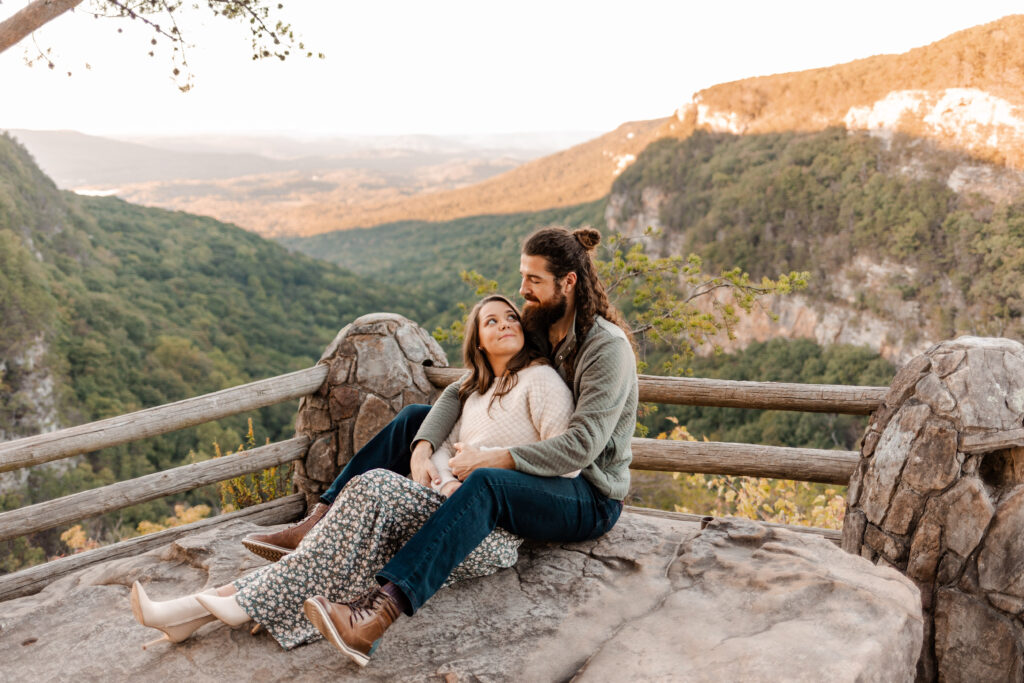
pixel 376 367
pixel 939 495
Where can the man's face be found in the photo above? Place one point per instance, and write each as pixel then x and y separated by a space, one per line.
pixel 545 296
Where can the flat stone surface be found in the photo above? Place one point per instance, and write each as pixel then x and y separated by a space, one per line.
pixel 382 367
pixel 982 390
pixel 932 463
pixel 655 599
pixel 889 458
pixel 906 505
pixel 1001 560
pixel 930 390
pixel 945 363
pixel 757 604
pixel 973 642
pixel 374 414
pixel 969 510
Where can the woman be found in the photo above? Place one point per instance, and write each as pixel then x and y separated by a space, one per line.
pixel 510 397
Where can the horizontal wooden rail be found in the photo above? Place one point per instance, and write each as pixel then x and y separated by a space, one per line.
pixel 53 513
pixel 114 431
pixel 748 460
pixel 694 391
pixel 34 579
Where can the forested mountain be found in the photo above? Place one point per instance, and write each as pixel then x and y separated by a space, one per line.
pixel 109 307
pixel 899 259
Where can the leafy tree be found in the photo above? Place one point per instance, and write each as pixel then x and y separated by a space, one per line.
pixel 270 36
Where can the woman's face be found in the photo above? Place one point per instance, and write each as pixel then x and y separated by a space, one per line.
pixel 499 331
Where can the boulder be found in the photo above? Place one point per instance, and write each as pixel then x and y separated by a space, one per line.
pixel 653 599
pixel 940 496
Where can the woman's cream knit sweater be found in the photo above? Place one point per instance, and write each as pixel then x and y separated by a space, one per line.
pixel 538 407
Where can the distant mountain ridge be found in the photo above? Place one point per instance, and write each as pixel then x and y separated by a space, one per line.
pixel 965 91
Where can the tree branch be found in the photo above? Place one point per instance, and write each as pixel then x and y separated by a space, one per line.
pixel 35 14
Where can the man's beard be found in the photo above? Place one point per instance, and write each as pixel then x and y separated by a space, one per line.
pixel 538 317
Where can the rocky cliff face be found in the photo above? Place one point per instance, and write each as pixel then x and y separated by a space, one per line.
pixel 963 91
pixel 891 325
pixel 27 393
pixel 967 119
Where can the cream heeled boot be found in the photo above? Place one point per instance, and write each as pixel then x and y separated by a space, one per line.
pixel 225 608
pixel 178 618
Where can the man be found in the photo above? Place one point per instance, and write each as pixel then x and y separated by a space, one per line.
pixel 568 313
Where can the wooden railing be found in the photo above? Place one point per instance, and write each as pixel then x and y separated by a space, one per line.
pixel 831 466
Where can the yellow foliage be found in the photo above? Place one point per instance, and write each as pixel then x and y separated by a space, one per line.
pixel 767 500
pixel 253 489
pixel 77 540
pixel 182 515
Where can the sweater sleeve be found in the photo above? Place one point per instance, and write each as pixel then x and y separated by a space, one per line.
pixel 606 382
pixel 440 458
pixel 550 404
pixel 442 417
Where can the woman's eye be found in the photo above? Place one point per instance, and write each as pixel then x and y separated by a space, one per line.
pixel 491 322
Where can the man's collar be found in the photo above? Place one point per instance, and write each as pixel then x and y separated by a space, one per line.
pixel 565 347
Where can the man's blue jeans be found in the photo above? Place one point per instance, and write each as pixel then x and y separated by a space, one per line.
pixel 539 508
pixel 390 449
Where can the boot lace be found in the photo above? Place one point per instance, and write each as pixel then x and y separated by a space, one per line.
pixel 371 603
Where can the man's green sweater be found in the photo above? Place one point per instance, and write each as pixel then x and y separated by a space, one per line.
pixel 598 438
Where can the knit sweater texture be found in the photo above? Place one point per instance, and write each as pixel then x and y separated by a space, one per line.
pixel 538 407
pixel 597 440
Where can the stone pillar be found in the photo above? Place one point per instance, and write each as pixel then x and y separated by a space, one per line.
pixel 376 367
pixel 939 495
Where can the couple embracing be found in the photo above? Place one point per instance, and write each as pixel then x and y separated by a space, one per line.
pixel 533 442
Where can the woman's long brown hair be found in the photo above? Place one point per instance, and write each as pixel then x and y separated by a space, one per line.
pixel 481 374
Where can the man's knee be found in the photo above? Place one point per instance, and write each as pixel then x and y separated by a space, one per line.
pixel 489 477
pixel 412 413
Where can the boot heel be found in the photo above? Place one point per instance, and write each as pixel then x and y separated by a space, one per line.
pixel 177 620
pixel 179 632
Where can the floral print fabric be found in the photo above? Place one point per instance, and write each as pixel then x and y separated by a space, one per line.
pixel 373 517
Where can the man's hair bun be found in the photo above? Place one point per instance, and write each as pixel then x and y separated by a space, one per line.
pixel 588 237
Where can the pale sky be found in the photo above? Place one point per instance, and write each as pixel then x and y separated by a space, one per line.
pixel 447 67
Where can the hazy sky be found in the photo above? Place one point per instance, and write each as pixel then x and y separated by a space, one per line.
pixel 441 67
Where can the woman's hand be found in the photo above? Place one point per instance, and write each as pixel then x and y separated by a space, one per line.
pixel 468 458
pixel 451 487
pixel 421 468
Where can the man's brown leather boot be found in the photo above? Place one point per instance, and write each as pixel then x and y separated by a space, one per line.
pixel 278 544
pixel 354 627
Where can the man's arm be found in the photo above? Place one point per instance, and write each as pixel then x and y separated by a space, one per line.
pixel 607 380
pixel 435 429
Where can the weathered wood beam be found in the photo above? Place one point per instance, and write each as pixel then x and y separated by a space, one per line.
pixel 830 534
pixel 53 513
pixel 34 579
pixel 811 398
pixel 748 460
pixel 992 441
pixel 114 431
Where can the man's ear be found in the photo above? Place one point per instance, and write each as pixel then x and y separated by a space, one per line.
pixel 570 281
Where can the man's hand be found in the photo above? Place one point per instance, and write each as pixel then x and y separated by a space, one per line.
pixel 468 458
pixel 421 469
pixel 451 487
